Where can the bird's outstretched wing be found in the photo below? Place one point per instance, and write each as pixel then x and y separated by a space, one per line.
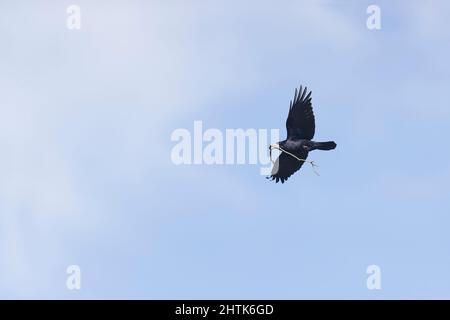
pixel 300 123
pixel 286 165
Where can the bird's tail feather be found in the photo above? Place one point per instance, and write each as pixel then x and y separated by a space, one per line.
pixel 329 145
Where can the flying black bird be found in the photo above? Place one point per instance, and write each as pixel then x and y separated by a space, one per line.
pixel 300 127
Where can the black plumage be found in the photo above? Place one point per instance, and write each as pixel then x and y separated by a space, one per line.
pixel 300 127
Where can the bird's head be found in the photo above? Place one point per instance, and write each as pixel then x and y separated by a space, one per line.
pixel 278 145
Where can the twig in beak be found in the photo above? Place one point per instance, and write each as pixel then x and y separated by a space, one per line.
pixel 313 165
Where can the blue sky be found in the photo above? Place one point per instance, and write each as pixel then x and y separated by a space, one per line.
pixel 86 175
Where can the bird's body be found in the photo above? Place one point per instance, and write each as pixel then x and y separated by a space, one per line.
pixel 300 126
pixel 298 145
